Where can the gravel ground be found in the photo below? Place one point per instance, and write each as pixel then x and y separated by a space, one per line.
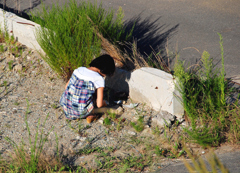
pixel 29 88
pixel 30 92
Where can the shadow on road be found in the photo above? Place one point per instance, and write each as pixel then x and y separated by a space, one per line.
pixel 149 35
pixel 14 7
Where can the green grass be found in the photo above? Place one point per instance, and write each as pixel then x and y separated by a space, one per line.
pixel 139 125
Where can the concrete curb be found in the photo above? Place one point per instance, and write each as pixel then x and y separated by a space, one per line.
pixel 23 30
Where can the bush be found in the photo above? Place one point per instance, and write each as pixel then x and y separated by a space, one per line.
pixel 70 35
pixel 204 91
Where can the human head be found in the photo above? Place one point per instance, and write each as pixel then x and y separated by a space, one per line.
pixel 105 64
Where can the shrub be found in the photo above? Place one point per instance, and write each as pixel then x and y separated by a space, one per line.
pixel 71 35
pixel 204 91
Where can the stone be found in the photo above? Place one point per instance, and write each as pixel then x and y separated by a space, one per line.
pixel 147 131
pixel 157 89
pixel 163 119
pixel 81 138
pixel 17 68
pixel 101 120
pixel 23 29
pixel 132 133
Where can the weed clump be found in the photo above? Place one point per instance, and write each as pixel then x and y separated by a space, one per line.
pixel 139 126
pixel 204 91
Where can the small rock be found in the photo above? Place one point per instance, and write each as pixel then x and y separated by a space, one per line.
pixel 162 120
pixel 184 124
pixel 132 133
pixel 17 68
pixel 135 118
pixel 147 131
pixel 146 126
pixel 101 120
pixel 180 120
pixel 28 57
pixel 81 138
pixel 13 97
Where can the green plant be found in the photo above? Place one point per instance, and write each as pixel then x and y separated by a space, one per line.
pixel 5 84
pixel 2 48
pixel 54 106
pixel 107 121
pixel 204 91
pixel 156 131
pixel 119 124
pixel 139 126
pixel 69 35
pixel 76 129
pixel 111 115
pixel 10 65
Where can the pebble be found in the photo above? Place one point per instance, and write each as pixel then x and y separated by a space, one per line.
pixel 132 133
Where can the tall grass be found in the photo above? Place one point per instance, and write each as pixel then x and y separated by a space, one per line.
pixel 204 91
pixel 69 35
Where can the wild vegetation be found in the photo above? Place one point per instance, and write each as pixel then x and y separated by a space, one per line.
pixel 204 92
pixel 212 119
pixel 72 35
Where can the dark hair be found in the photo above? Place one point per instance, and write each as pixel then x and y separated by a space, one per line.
pixel 105 64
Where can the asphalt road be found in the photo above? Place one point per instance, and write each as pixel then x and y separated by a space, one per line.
pixel 230 160
pixel 184 26
pixel 187 27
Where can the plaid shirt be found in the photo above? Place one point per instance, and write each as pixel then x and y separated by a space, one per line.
pixel 77 99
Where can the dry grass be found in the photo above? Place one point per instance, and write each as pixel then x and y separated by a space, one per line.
pixel 133 60
pixel 46 163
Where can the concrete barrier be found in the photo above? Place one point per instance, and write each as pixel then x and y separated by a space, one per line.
pixel 156 88
pixel 23 30
pixel 148 85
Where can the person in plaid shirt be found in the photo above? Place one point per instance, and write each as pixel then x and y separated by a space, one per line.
pixel 78 99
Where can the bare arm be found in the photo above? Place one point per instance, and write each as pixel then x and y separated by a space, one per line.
pixel 100 102
pixel 67 84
